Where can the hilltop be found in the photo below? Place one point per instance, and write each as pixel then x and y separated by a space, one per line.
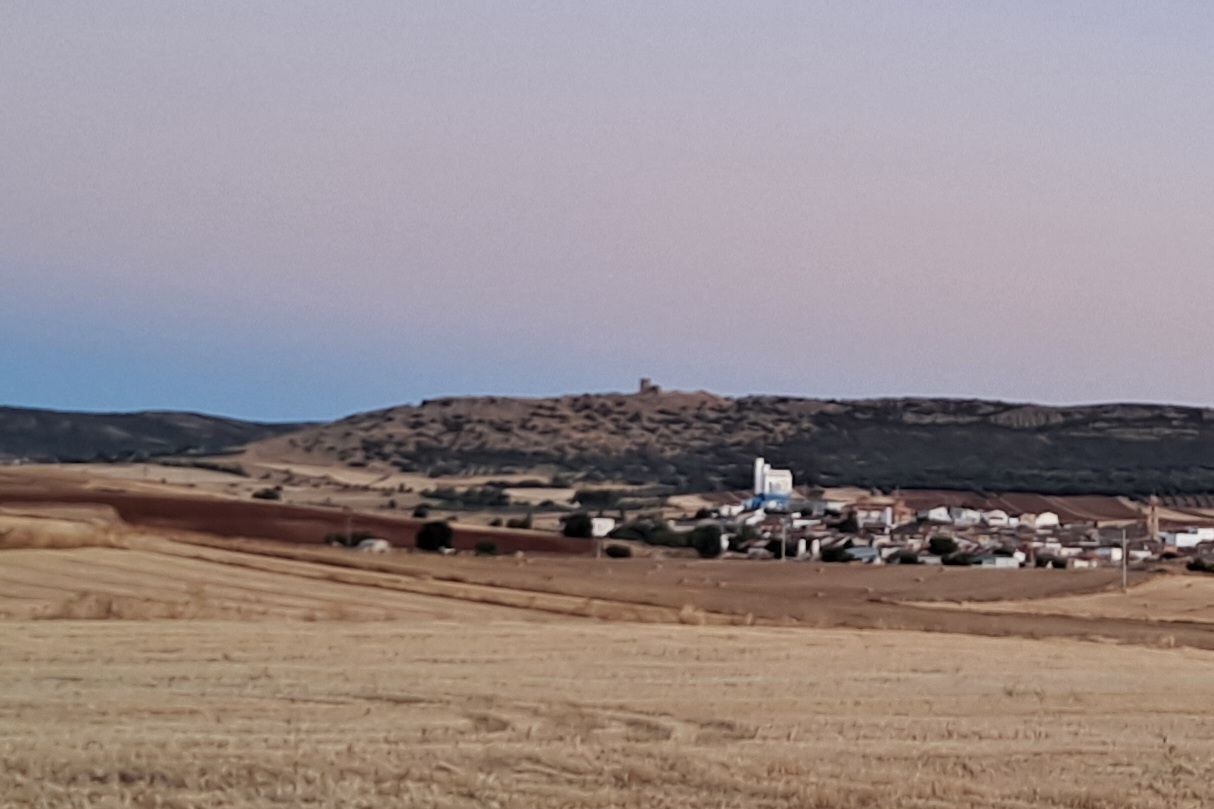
pixel 53 435
pixel 700 441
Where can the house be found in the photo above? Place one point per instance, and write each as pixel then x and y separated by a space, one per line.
pixel 601 526
pixel 962 517
pixel 1042 521
pixel 996 561
pixel 996 518
pixel 873 516
pixel 939 515
pixel 1189 537
pixel 816 502
pixel 880 513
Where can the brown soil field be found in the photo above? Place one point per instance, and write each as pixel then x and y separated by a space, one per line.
pixel 520 715
pixel 151 505
pixel 798 594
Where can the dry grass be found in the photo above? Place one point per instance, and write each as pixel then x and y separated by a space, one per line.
pixel 509 714
pixel 416 682
pixel 57 526
pixel 158 579
pixel 1164 598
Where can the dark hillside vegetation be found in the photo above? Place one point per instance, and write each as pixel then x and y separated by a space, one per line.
pixel 51 435
pixel 698 441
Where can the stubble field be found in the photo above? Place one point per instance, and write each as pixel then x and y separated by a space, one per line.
pixel 256 674
pixel 472 712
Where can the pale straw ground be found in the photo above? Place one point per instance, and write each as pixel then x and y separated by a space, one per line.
pixel 572 712
pixel 230 680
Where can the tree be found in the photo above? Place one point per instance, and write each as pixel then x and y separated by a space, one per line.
pixel 434 536
pixel 942 545
pixel 837 553
pixel 706 539
pixel 596 498
pixel 421 512
pixel 268 494
pixel 578 525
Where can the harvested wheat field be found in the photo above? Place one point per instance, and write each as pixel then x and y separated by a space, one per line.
pixel 1163 600
pixel 469 713
pixel 254 674
pixel 136 584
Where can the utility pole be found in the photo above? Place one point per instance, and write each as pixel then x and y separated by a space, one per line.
pixel 1125 563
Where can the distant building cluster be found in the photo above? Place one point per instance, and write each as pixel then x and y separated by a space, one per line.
pixel 778 519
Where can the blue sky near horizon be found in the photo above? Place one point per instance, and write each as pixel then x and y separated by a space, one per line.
pixel 291 210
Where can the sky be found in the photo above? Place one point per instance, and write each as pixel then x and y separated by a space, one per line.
pixel 288 210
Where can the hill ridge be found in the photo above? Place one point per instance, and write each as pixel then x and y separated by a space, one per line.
pixel 689 441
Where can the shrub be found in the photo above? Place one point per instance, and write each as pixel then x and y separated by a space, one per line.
pixel 618 551
pixel 268 494
pixel 942 545
pixel 434 536
pixel 781 549
pixel 422 511
pixel 957 560
pixel 519 522
pixel 652 532
pixel 706 539
pixel 485 548
pixel 836 553
pixel 578 526
pixel 1200 566
pixel 596 498
pixel 906 558
pixel 496 522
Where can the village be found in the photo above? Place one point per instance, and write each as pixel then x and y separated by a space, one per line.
pixel 779 520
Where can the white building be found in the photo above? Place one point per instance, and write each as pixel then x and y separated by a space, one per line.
pixel 771 482
pixel 999 562
pixel 965 516
pixel 1188 538
pixel 938 515
pixel 1046 519
pixel 996 518
pixel 601 526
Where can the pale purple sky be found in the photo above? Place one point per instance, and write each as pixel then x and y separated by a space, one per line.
pixel 288 210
